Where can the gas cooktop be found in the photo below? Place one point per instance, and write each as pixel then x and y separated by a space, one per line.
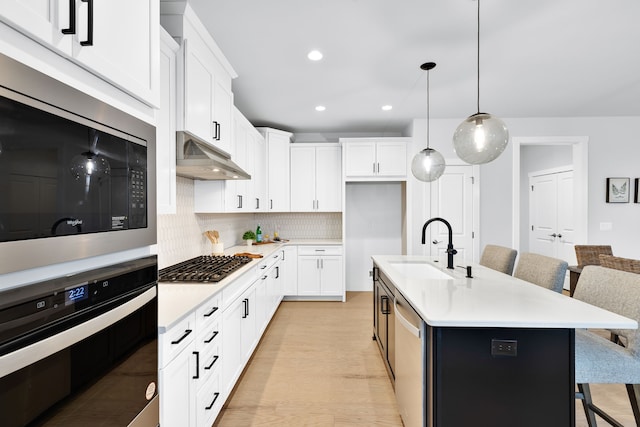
pixel 204 268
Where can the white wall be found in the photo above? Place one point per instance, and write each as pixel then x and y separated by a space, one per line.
pixel 613 151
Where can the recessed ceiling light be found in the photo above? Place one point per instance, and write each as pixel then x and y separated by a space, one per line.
pixel 387 107
pixel 315 55
pixel 321 108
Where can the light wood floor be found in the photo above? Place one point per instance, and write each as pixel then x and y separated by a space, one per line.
pixel 318 366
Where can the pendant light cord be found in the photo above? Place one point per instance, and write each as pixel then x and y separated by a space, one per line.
pixel 478 61
pixel 427 109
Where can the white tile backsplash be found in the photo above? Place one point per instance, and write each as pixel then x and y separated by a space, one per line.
pixel 181 235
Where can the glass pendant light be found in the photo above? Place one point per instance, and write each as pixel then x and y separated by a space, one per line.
pixel 428 165
pixel 482 137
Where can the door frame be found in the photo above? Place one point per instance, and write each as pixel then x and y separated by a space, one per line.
pixel 579 146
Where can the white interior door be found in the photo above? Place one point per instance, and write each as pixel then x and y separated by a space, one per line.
pixel 552 219
pixel 452 199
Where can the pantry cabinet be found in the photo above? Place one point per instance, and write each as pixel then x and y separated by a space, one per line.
pixel 83 32
pixel 205 99
pixel 278 174
pixel 375 158
pixel 316 179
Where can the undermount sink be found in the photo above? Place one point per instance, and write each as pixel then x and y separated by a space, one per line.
pixel 419 270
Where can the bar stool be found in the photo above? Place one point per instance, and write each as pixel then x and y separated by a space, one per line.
pixel 499 258
pixel 542 270
pixel 598 360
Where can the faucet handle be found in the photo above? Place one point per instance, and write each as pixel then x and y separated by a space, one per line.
pixel 435 241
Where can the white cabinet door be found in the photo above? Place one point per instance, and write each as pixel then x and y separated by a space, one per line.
pixel 303 179
pixel 360 159
pixel 259 176
pixel 278 175
pixel 222 113
pixel 235 191
pixel 166 127
pixel 248 324
pixel 328 179
pixel 377 159
pixel 289 271
pixel 391 159
pixel 177 406
pixel 125 40
pixel 232 362
pixel 308 275
pixel 331 275
pixel 117 40
pixel 316 180
pixel 197 91
pixel 43 20
pixel 262 302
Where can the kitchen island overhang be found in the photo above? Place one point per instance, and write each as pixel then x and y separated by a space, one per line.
pixel 496 349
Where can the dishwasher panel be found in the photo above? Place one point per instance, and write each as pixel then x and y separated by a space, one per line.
pixel 410 363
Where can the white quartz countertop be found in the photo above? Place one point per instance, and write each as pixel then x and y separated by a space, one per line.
pixel 176 300
pixel 489 299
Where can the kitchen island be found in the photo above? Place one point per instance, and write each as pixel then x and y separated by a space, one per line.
pixel 495 350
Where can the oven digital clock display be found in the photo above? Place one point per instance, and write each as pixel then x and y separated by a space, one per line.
pixel 77 293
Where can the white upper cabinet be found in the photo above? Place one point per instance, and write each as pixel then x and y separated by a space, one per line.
pixel 166 127
pixel 375 158
pixel 259 175
pixel 278 175
pixel 205 99
pixel 316 180
pixel 118 40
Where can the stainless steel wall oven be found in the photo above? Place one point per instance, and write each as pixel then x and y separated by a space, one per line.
pixel 77 176
pixel 82 350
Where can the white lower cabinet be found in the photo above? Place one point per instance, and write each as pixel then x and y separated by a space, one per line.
pixel 289 271
pixel 320 271
pixel 239 335
pixel 177 363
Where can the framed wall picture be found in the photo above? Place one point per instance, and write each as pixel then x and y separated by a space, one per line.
pixel 618 190
pixel 636 199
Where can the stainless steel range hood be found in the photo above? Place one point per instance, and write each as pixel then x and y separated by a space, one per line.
pixel 198 159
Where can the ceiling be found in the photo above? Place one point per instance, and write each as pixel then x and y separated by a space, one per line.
pixel 543 58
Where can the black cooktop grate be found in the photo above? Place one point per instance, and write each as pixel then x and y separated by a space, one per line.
pixel 203 268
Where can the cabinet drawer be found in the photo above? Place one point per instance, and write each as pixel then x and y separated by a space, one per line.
pixel 319 250
pixel 208 312
pixel 209 401
pixel 177 338
pixel 269 261
pixel 210 360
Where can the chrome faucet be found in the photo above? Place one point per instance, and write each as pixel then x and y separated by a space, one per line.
pixel 450 251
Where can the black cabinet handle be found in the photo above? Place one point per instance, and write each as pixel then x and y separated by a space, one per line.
pixel 277 272
pixel 218 131
pixel 89 41
pixel 72 19
pixel 179 340
pixel 245 302
pixel 270 203
pixel 215 334
pixel 215 359
pixel 197 375
pixel 257 203
pixel 215 130
pixel 216 394
pixel 209 314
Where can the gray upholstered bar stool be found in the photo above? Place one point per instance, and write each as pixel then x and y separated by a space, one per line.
pixel 598 360
pixel 542 270
pixel 499 258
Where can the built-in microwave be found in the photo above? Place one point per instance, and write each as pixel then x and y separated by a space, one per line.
pixel 77 176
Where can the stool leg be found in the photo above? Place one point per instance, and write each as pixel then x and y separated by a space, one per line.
pixel 633 390
pixel 586 401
